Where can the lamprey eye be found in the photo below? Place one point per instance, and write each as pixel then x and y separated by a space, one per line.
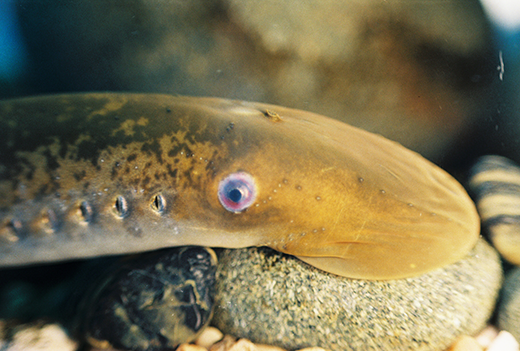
pixel 237 191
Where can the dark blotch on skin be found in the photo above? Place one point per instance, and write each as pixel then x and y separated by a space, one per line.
pixel 187 151
pixel 23 166
pixel 113 173
pixel 135 231
pixel 42 190
pixel 145 182
pixel 134 182
pixel 172 171
pixel 89 150
pixel 187 175
pixel 177 149
pixel 153 148
pixel 79 175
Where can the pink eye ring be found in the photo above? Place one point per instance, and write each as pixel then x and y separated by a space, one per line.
pixel 237 191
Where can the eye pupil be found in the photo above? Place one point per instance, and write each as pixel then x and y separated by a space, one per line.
pixel 235 195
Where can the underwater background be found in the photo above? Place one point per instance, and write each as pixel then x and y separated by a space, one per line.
pixel 439 77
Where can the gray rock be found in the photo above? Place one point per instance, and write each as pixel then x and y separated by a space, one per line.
pixel 509 307
pixel 276 299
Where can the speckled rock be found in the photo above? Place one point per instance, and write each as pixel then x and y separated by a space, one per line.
pixel 509 307
pixel 276 299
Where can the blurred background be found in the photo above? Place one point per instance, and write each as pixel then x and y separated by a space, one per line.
pixel 440 77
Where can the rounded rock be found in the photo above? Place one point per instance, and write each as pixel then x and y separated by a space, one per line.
pixel 495 185
pixel 152 301
pixel 509 307
pixel 276 299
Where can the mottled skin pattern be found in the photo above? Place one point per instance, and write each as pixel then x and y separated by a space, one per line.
pixel 62 151
pixel 93 174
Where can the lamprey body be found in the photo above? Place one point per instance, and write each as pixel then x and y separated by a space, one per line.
pixel 85 175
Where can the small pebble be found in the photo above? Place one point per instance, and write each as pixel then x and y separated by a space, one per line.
pixel 191 347
pixel 486 336
pixel 230 343
pixel 466 343
pixel 224 344
pixel 209 336
pixel 505 341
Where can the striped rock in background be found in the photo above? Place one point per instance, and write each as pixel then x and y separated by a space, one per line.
pixel 495 184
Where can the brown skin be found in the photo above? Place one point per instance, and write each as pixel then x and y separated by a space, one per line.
pixel 344 200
